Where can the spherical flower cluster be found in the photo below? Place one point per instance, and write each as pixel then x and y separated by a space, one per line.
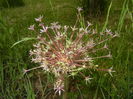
pixel 66 50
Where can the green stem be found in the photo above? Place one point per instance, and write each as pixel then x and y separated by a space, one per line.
pixel 66 86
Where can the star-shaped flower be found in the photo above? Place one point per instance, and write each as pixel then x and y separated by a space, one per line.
pixel 32 27
pixel 88 79
pixel 39 19
pixel 110 71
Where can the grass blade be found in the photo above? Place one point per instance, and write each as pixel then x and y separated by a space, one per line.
pixel 23 40
pixel 107 18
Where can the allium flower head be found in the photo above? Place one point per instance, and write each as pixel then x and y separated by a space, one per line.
pixel 61 50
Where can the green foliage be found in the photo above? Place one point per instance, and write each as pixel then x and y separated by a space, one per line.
pixel 95 7
pixel 11 3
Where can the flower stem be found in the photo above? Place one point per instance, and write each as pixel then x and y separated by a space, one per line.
pixel 66 86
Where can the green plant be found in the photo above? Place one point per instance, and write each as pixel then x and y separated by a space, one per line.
pixel 63 51
pixel 13 27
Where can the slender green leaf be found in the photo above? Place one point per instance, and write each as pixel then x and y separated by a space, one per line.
pixel 107 18
pixel 23 40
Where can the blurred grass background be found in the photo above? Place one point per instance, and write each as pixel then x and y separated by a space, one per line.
pixel 11 3
pixel 14 22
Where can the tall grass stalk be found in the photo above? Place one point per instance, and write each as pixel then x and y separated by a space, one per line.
pixel 53 12
pixel 122 16
pixel 107 18
pixel 29 89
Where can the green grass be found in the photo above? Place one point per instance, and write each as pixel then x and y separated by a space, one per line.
pixel 13 27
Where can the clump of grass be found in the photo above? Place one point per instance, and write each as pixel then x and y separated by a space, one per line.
pixel 64 52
